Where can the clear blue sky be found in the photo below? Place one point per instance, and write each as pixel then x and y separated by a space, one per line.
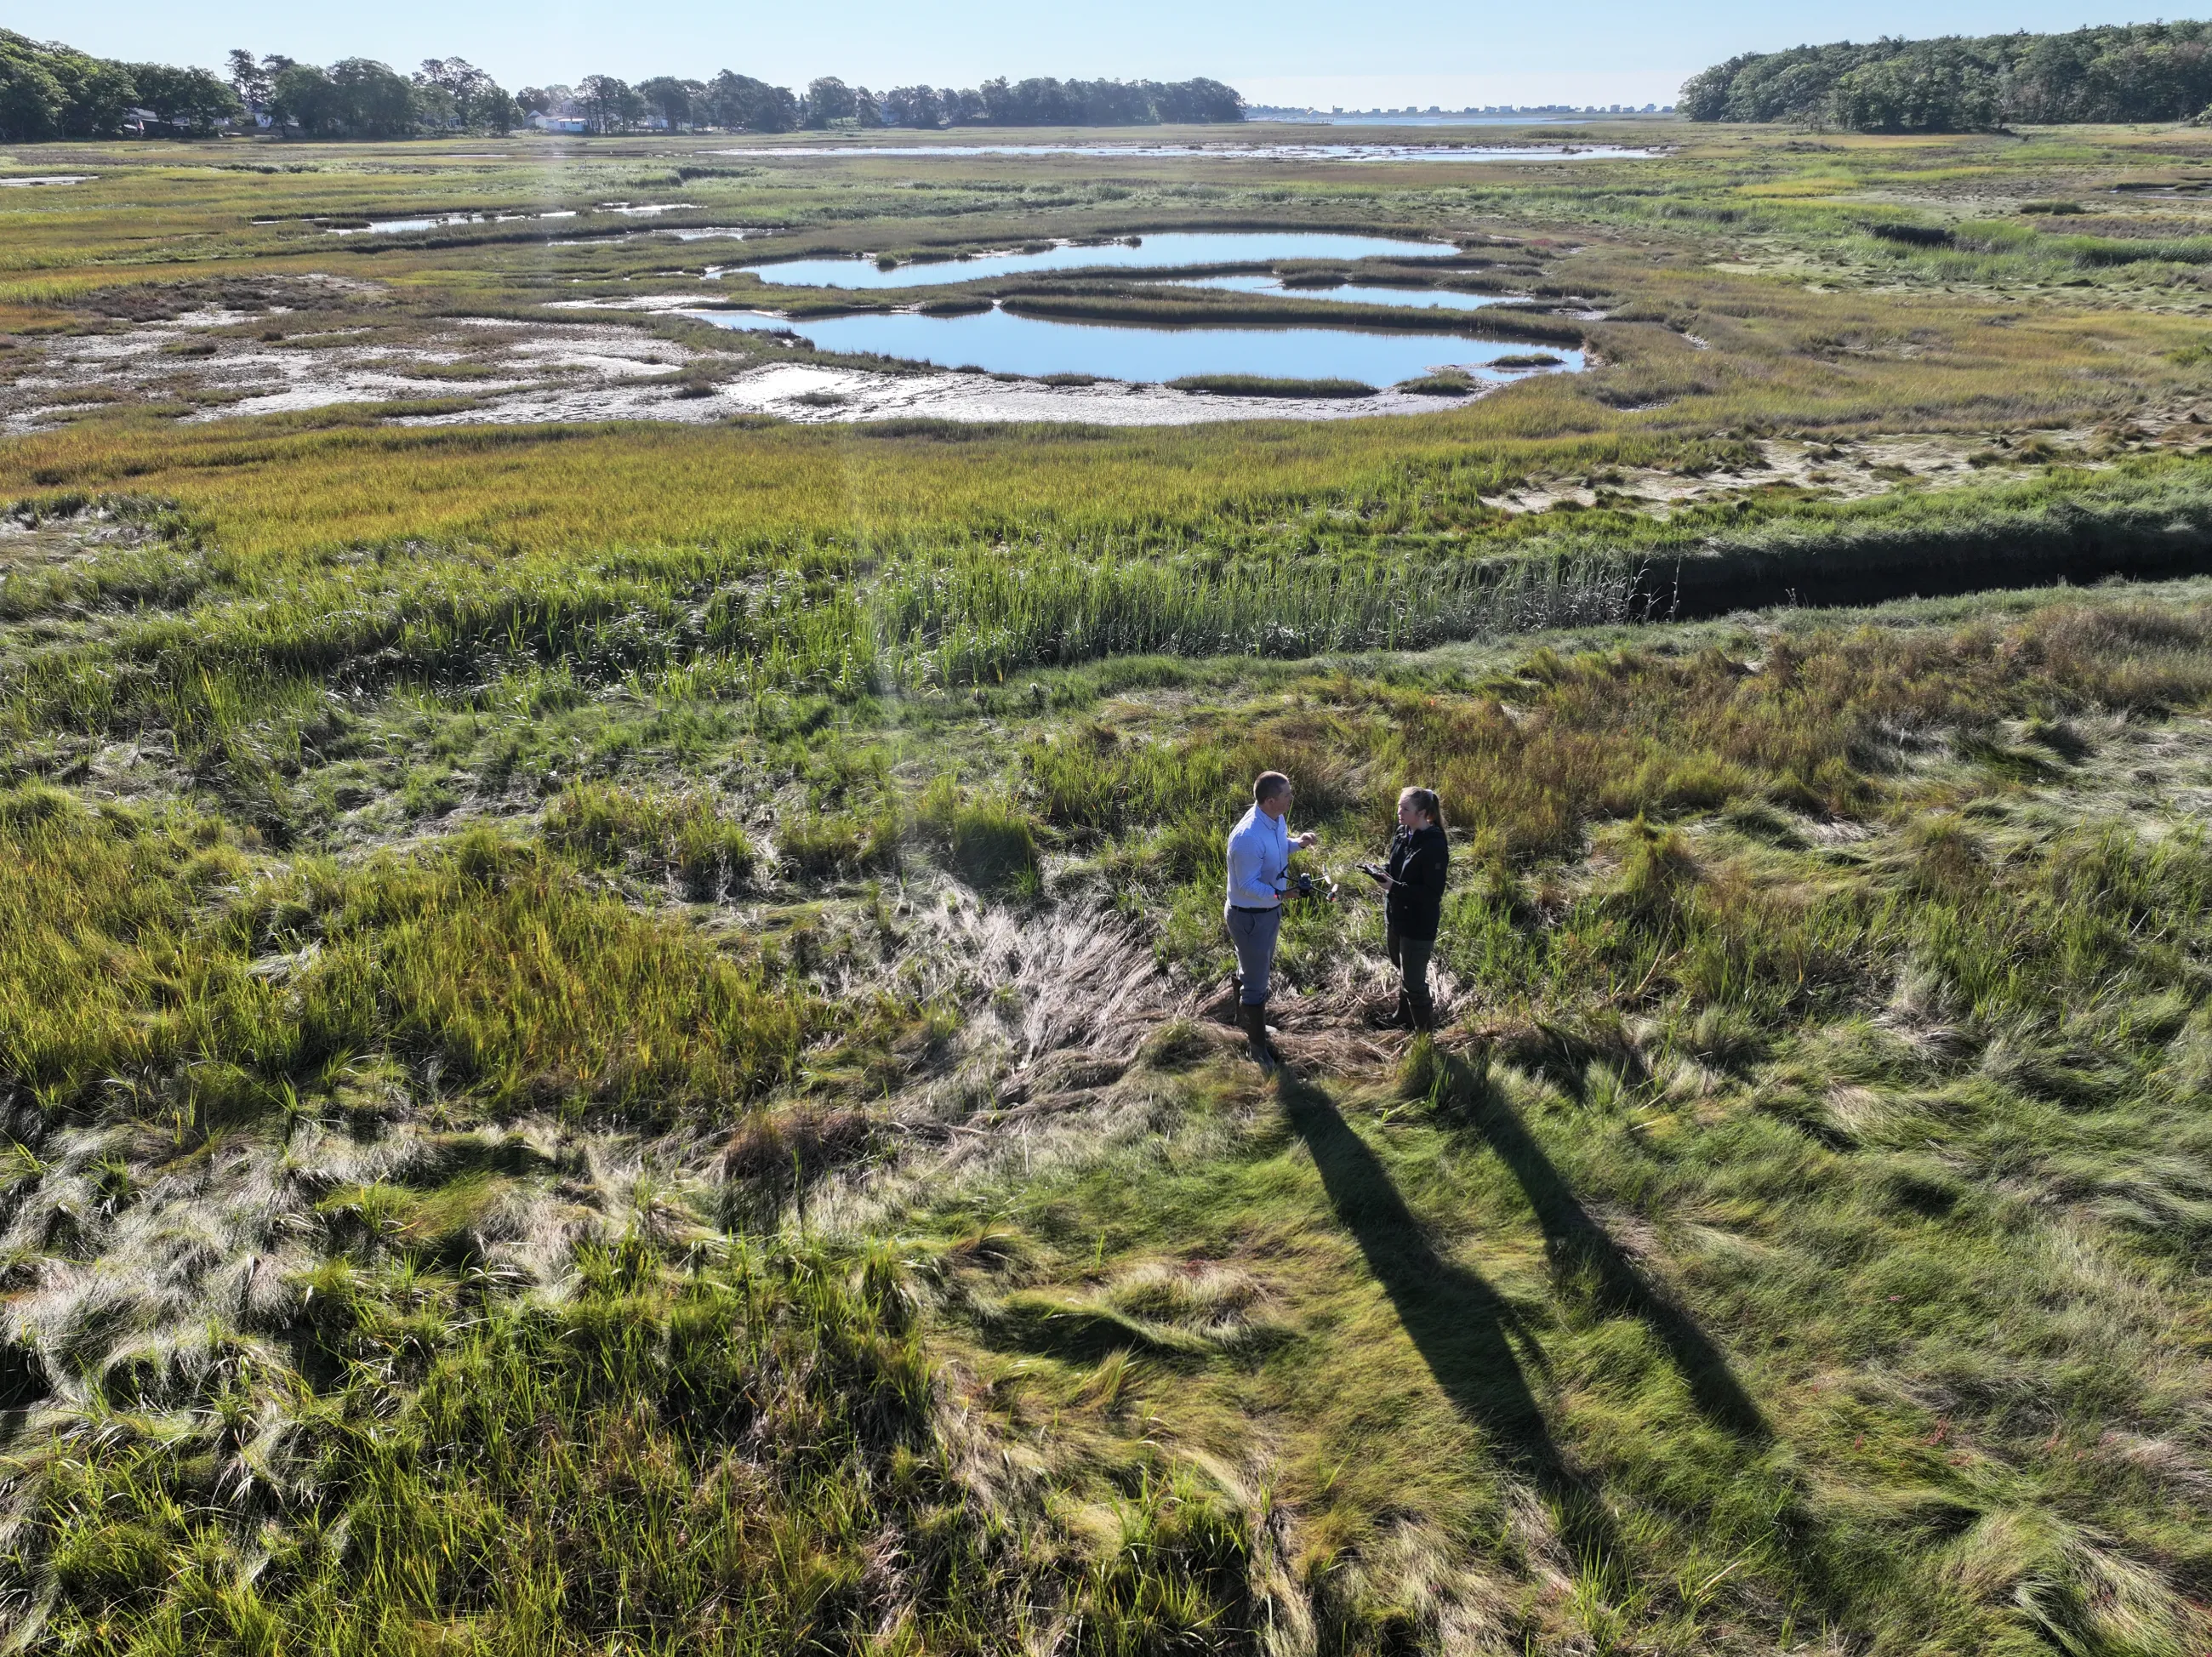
pixel 1354 52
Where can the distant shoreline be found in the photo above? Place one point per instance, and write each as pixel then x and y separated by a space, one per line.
pixel 1385 117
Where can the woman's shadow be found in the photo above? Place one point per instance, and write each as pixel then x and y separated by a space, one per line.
pixel 1457 1322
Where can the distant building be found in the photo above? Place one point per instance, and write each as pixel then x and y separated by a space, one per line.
pixel 547 122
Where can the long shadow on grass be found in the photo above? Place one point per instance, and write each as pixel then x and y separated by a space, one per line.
pixel 1457 1322
pixel 1577 1241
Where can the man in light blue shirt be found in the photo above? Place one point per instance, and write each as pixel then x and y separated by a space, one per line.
pixel 1260 849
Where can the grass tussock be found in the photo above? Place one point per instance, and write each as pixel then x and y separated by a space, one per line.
pixel 678 837
pixel 1261 385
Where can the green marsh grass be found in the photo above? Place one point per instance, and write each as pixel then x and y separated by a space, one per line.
pixel 817 607
pixel 1808 1173
pixel 709 1462
pixel 682 838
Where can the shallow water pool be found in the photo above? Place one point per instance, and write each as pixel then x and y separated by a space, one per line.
pixel 1003 342
pixel 1175 250
pixel 434 221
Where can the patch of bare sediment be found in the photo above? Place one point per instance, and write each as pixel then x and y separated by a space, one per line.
pixel 210 364
pixel 806 391
pixel 1857 467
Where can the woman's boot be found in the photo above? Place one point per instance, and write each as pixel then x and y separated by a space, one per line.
pixel 1421 1008
pixel 1399 1017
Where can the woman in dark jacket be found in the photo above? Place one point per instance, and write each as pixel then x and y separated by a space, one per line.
pixel 1414 888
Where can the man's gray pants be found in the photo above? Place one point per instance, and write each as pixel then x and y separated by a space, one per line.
pixel 1252 934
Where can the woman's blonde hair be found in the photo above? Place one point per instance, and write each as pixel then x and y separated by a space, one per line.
pixel 1424 801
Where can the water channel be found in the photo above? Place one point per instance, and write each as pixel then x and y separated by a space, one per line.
pixel 1175 250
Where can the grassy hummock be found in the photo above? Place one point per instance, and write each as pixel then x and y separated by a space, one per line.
pixel 1439 384
pixel 1261 385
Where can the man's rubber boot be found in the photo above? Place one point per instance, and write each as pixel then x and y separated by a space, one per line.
pixel 1254 1020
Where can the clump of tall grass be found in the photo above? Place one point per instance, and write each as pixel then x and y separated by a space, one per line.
pixel 485 963
pixel 990 840
pixel 94 915
pixel 827 845
pixel 490 959
pixel 679 836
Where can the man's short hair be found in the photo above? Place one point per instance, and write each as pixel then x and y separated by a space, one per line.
pixel 1267 785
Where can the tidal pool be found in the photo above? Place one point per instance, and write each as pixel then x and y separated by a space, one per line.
pixel 1427 299
pixel 1003 342
pixel 396 227
pixel 1172 250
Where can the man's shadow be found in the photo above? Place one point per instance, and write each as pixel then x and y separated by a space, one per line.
pixel 1576 1241
pixel 1457 1322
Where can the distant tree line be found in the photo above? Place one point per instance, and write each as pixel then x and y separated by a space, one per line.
pixel 359 98
pixel 49 91
pixel 2128 72
pixel 53 91
pixel 738 103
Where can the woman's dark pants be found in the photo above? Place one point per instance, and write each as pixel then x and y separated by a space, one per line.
pixel 1410 956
